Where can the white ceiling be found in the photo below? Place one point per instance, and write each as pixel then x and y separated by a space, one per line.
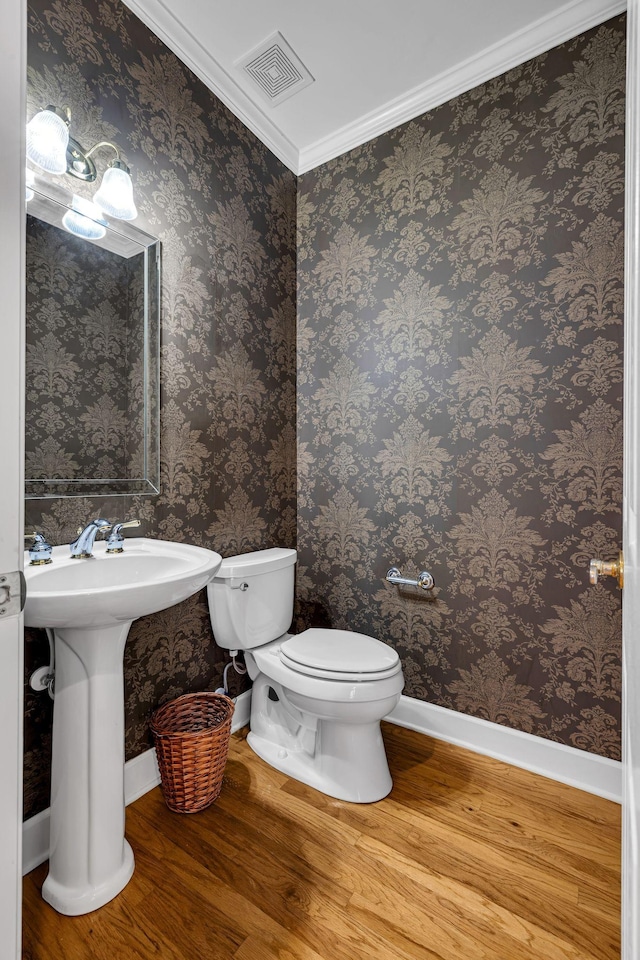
pixel 376 63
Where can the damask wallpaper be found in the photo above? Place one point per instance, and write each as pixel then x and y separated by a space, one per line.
pixel 224 210
pixel 459 370
pixel 82 305
pixel 460 289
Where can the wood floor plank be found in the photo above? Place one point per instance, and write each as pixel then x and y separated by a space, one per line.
pixel 283 885
pixel 532 842
pixel 490 776
pixel 435 845
pixel 425 789
pixel 428 910
pixel 597 934
pixel 533 886
pixel 114 931
pixel 542 836
pixel 249 920
pixel 447 903
pixel 467 858
pixel 560 826
pixel 264 948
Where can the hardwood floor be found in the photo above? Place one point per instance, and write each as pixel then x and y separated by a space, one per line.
pixel 467 859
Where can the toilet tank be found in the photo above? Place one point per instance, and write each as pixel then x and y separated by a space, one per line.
pixel 251 598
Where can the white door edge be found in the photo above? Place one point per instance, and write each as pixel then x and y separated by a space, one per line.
pixel 12 285
pixel 631 519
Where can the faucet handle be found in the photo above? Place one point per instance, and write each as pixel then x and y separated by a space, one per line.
pixel 116 540
pixel 40 551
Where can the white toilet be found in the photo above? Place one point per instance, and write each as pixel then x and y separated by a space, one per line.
pixel 318 697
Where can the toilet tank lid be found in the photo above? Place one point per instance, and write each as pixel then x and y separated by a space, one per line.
pixel 252 564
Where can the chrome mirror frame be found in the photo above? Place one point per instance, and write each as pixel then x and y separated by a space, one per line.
pixel 49 203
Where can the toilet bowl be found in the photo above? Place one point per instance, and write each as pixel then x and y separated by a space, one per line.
pixel 319 696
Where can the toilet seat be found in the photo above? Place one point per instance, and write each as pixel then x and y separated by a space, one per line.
pixel 337 689
pixel 339 655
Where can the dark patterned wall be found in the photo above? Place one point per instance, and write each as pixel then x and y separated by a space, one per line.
pixel 459 368
pixel 80 352
pixel 460 390
pixel 224 209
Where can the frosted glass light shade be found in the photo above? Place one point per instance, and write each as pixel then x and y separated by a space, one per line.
pixel 85 220
pixel 47 141
pixel 115 195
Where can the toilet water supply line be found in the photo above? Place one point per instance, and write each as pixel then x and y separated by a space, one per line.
pixel 238 669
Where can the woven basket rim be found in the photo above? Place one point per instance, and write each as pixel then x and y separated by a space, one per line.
pixel 195 695
pixel 163 713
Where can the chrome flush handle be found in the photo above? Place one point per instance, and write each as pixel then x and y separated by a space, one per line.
pixel 607 568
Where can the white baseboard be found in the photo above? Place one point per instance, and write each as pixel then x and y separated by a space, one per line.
pixel 577 768
pixel 141 774
pixel 35 841
pixel 242 713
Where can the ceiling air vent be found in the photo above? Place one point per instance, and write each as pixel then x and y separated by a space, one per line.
pixel 275 69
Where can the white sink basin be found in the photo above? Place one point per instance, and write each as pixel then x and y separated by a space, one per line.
pixel 90 604
pixel 115 588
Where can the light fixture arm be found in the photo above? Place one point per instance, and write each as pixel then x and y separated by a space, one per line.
pixel 80 164
pixel 103 143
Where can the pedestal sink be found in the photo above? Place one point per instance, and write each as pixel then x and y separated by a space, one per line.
pixel 91 604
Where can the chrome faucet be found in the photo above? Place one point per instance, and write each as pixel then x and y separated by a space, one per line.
pixel 81 549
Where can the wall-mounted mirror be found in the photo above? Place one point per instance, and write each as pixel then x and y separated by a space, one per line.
pixel 92 353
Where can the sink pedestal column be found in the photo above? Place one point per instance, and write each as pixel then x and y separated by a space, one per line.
pixel 90 861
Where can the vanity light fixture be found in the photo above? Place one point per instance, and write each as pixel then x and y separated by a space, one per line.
pixel 48 139
pixel 50 147
pixel 85 219
pixel 115 195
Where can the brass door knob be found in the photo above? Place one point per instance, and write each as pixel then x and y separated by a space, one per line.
pixel 607 568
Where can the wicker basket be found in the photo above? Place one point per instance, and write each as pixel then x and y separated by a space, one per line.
pixel 191 735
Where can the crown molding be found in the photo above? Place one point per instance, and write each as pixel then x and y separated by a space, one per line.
pixel 565 23
pixel 166 25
